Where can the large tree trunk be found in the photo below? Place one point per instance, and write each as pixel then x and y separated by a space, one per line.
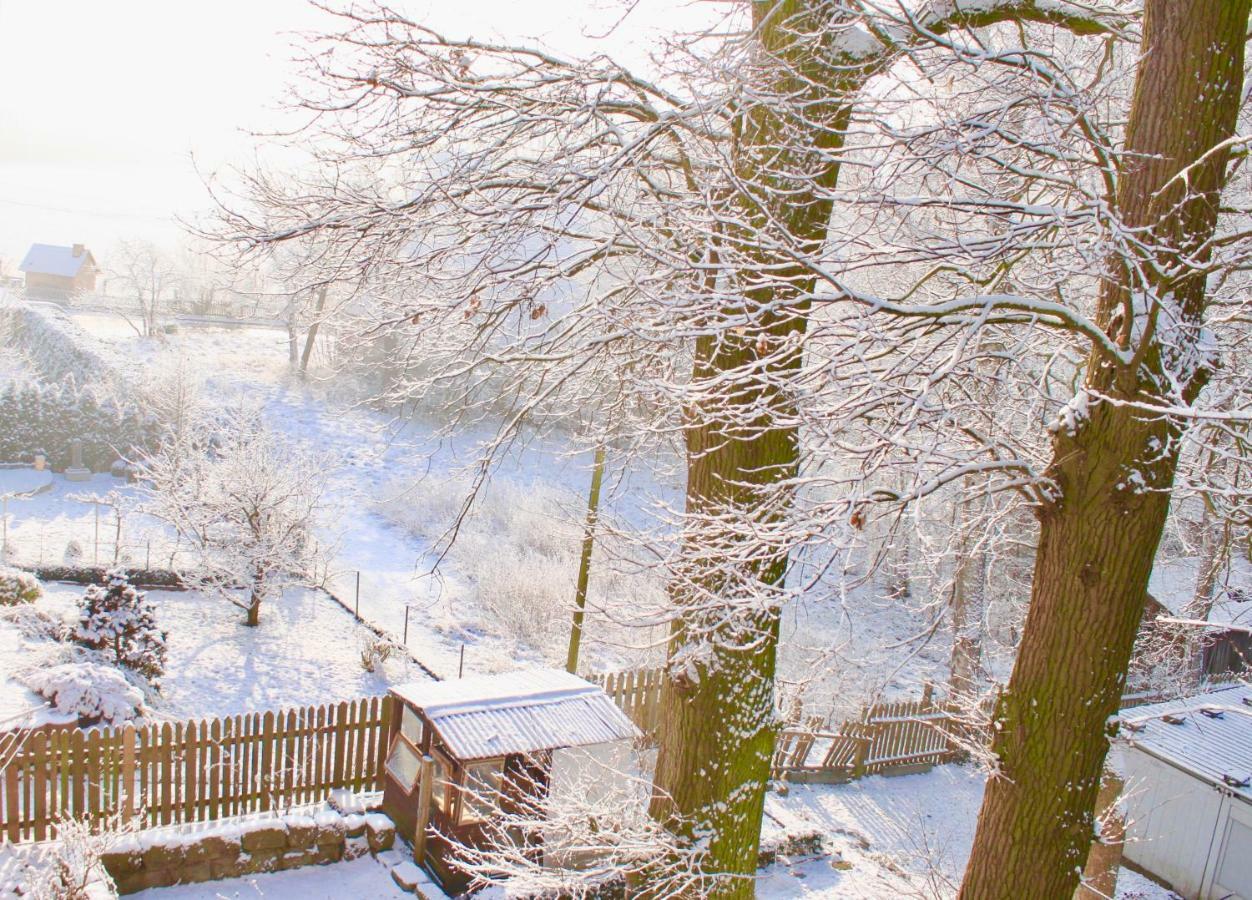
pixel 718 722
pixel 1112 475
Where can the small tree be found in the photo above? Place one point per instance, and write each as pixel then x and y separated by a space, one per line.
pixel 243 502
pixel 122 621
pixel 149 277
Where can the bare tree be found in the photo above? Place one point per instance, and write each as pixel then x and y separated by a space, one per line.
pixel 243 501
pixel 149 277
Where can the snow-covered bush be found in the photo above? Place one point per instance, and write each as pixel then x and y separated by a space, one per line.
pixel 17 586
pixel 33 623
pixel 69 868
pixel 57 347
pixel 375 650
pixel 90 691
pixel 73 553
pixel 121 621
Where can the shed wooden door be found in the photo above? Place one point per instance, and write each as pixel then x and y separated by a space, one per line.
pixel 1232 865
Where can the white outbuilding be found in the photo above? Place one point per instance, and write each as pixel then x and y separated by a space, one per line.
pixel 1187 768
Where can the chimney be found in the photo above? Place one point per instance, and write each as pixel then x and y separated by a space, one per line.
pixel 78 250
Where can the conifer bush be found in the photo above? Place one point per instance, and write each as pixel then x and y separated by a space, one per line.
pixel 121 622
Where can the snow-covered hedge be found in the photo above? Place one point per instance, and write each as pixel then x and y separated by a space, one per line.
pixel 17 586
pixel 56 347
pixel 38 417
pixel 90 691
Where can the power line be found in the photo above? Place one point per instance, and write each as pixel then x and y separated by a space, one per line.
pixel 87 212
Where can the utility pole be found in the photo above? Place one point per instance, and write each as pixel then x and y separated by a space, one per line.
pixel 584 564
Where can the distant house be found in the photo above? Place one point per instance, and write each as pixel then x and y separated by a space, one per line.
pixel 56 272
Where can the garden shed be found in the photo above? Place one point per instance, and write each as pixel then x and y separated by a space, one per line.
pixel 1187 767
pixel 491 743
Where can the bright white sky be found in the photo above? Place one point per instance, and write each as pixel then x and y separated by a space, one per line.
pixel 104 102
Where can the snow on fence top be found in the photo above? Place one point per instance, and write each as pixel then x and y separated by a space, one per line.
pixel 1208 735
pixel 517 712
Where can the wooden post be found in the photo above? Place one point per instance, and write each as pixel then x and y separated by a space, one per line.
pixel 128 774
pixel 860 755
pixel 425 787
pixel 584 564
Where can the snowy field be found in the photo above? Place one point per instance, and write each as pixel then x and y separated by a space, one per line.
pixel 306 651
pixel 906 836
pixel 501 595
pixel 361 878
pixel 888 837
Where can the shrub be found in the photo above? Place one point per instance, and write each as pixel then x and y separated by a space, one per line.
pixel 17 586
pixel 33 623
pixel 93 692
pixel 121 621
pixel 375 651
pixel 70 868
pixel 73 553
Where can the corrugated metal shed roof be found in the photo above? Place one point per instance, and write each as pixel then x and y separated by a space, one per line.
pixel 1209 735
pixel 517 712
pixel 53 259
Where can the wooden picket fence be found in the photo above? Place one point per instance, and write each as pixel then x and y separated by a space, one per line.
pixel 896 738
pixel 174 772
pixel 637 693
pixel 191 771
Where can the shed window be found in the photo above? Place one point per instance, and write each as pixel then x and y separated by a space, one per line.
pixel 403 764
pixel 480 797
pixel 411 727
pixel 441 790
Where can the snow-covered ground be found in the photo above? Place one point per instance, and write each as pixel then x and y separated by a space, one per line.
pixel 888 837
pixel 392 487
pixel 365 877
pixel 906 836
pixel 306 651
pixel 398 485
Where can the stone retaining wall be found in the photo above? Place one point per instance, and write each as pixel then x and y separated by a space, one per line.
pixel 228 849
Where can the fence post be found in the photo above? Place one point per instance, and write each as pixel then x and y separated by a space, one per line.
pixel 860 755
pixel 128 774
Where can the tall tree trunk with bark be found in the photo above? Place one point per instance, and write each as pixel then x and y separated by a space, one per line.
pixel 1112 474
pixel 718 720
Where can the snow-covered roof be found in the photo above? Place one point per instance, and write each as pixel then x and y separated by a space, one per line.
pixel 53 259
pixel 1172 586
pixel 517 712
pixel 1208 735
